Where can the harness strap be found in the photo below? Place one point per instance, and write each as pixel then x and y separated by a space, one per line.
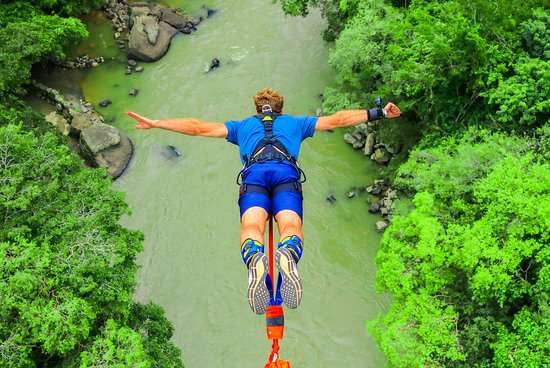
pixel 292 186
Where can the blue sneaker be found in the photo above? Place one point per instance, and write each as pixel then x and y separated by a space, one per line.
pixel 287 256
pixel 258 269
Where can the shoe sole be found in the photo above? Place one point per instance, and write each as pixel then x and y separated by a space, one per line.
pixel 258 295
pixel 291 285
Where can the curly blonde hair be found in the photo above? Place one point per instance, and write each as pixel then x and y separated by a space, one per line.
pixel 268 96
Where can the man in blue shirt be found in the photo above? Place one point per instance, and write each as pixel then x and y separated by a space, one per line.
pixel 269 145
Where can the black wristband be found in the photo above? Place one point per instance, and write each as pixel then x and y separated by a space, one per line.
pixel 375 114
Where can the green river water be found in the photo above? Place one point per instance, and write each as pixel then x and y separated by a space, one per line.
pixel 187 209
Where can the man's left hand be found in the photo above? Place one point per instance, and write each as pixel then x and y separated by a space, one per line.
pixel 392 111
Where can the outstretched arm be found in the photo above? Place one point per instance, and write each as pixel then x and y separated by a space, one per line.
pixel 352 117
pixel 188 126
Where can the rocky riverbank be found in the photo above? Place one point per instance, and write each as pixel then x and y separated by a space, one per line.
pixel 100 144
pixel 145 30
pixel 364 137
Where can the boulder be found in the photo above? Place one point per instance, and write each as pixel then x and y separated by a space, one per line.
pixel 149 39
pixel 362 128
pixel 374 208
pixel 59 122
pixel 369 144
pixel 98 137
pixel 381 156
pixel 138 10
pixel 331 198
pixel 133 92
pixel 116 158
pixel 355 139
pixel 182 23
pixel 80 122
pixel 381 225
pixel 138 69
pixel 351 194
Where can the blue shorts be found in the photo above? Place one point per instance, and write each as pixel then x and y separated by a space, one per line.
pixel 269 175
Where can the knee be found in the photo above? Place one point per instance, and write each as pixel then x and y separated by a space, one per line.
pixel 292 226
pixel 252 226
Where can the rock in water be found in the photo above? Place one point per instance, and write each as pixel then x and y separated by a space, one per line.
pixel 369 144
pixel 138 69
pixel 104 146
pixel 381 225
pixel 172 151
pixel 215 63
pixel 133 92
pixel 132 62
pixel 381 156
pixel 331 198
pixel 104 103
pixel 351 194
pixel 210 12
pixel 374 208
pixel 149 39
pixel 98 137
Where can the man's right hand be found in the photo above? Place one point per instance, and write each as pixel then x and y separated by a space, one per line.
pixel 143 122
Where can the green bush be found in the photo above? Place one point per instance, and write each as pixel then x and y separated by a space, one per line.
pixel 471 262
pixel 66 265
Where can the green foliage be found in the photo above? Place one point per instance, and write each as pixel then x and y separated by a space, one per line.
pixel 63 7
pixel 527 344
pixel 336 12
pixel 66 264
pixel 471 263
pixel 448 64
pixel 156 331
pixel 117 347
pixel 449 169
pixel 27 37
pixel 536 33
pixel 523 99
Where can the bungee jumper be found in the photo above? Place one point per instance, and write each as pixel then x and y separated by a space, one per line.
pixel 270 187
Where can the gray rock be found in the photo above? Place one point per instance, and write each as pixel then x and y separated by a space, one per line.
pixel 138 10
pixel 59 122
pixel 172 152
pixel 98 137
pixel 80 122
pixel 384 211
pixel 374 208
pixel 351 194
pixel 331 198
pixel 138 69
pixel 182 23
pixel 362 128
pixel 132 62
pixel 133 92
pixel 381 156
pixel 139 44
pixel 128 71
pixel 381 225
pixel 348 138
pixel 369 144
pixel 116 158
pixel 104 103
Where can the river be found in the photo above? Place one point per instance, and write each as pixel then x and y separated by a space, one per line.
pixel 187 209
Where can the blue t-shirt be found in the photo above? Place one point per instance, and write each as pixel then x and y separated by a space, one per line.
pixel 289 130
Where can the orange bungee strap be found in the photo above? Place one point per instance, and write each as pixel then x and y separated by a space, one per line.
pixel 274 316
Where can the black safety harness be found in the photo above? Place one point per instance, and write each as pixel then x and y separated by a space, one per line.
pixel 270 149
